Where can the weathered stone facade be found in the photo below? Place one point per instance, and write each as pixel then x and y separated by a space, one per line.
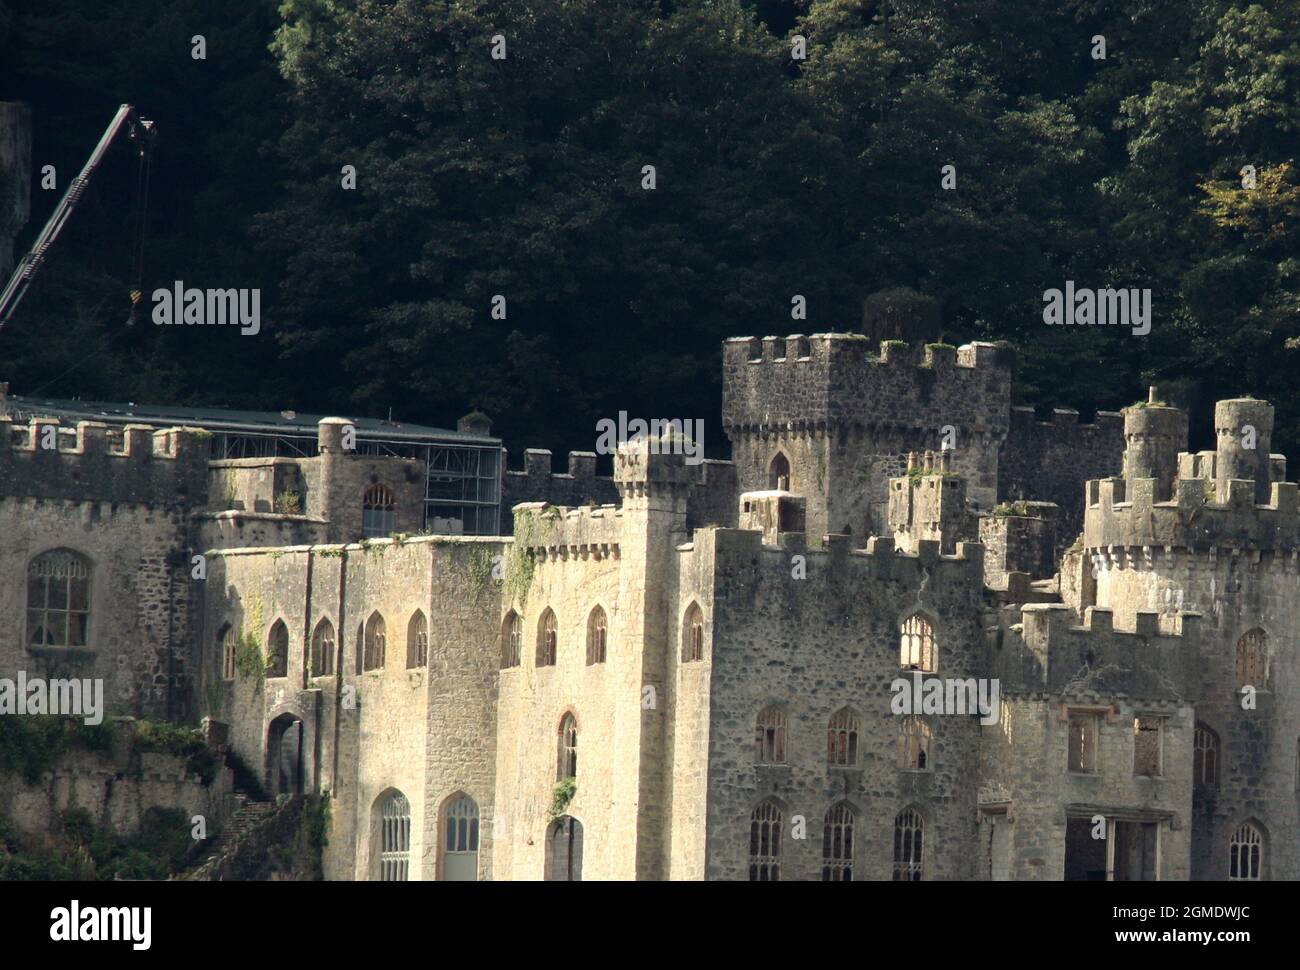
pixel 641 689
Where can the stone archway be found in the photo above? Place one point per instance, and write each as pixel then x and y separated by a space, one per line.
pixel 564 850
pixel 285 746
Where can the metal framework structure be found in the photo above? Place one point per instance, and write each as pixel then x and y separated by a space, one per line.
pixel 462 472
pixel 141 132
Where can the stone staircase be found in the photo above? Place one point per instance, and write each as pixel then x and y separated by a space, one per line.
pixel 251 812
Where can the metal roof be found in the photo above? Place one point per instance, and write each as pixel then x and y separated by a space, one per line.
pixel 224 419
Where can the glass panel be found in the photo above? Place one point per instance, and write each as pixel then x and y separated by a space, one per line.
pixel 80 594
pixel 58 591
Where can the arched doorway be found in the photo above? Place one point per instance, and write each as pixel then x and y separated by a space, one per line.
pixel 564 850
pixel 778 473
pixel 460 833
pixel 284 750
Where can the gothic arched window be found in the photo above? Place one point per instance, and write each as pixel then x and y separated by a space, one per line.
pixel 765 843
pixel 917 649
pixel 417 641
pixel 693 634
pixel 567 762
pixel 376 644
pixel 512 633
pixel 597 636
pixel 322 649
pixel 546 639
pixel 277 650
pixel 378 512
pixel 58 599
pixel 769 736
pixel 1252 656
pixel 842 738
pixel 909 854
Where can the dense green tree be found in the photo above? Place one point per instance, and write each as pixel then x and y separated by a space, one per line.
pixel 525 177
pixel 522 177
pixel 1218 253
pixel 75 62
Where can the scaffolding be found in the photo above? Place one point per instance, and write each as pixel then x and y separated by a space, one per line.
pixel 462 471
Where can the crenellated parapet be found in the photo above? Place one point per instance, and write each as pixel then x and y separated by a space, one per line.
pixel 537 481
pixel 1048 650
pixel 538 466
pixel 1124 514
pixel 929 502
pixel 881 559
pixel 135 464
pixel 1209 506
pixel 557 533
pixel 823 382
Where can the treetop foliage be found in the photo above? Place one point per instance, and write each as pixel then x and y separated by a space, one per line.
pixel 523 177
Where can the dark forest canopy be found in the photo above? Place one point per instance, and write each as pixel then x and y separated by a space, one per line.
pixel 774 177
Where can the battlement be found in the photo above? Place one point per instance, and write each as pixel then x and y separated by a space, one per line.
pixel 1124 513
pixel 830 379
pixel 1025 420
pixel 538 482
pixel 645 466
pixel 1048 651
pixel 929 502
pixel 1209 504
pixel 95 462
pixel 881 558
pixel 554 532
pixel 538 463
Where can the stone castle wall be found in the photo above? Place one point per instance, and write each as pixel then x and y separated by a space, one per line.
pixel 1050 461
pixel 846 419
pixel 428 732
pixel 123 506
pixel 816 645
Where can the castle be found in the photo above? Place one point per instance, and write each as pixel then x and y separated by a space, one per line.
pixel 691 671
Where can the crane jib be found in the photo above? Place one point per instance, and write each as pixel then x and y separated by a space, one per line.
pixel 138 129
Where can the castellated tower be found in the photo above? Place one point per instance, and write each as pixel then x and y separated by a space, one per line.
pixel 97 527
pixel 824 417
pixel 1224 543
pixel 655 488
pixel 928 503
pixel 1154 435
pixel 1243 431
pixel 619 564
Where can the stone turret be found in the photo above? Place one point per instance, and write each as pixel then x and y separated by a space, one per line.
pixel 1153 436
pixel 929 503
pixel 1244 429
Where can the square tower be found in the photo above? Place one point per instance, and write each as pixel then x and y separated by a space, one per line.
pixel 824 416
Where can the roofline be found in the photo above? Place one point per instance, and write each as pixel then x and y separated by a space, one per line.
pixel 100 411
